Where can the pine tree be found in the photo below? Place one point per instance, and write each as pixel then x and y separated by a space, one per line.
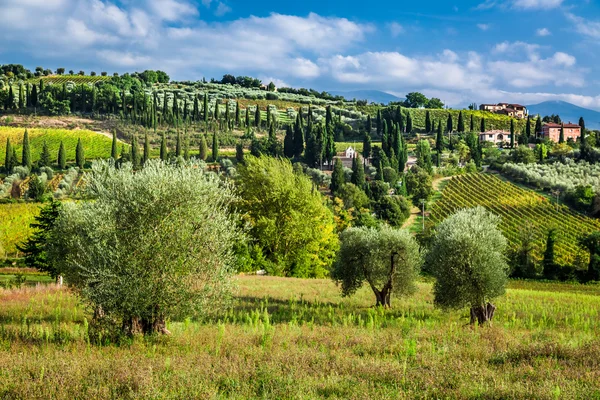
pixel 79 154
pixel 561 138
pixel 45 155
pixel 257 117
pixel 472 124
pixel 8 157
pixel 358 172
pixel 409 123
pixel 461 123
pixel 135 153
pixel 215 148
pixel 288 142
pixel 298 137
pixel 186 146
pixel 146 147
pixel 338 178
pixel 203 151
pixel 61 160
pixel 113 150
pixel 512 133
pixel 482 125
pixel 164 152
pixel 450 124
pixel 428 127
pixel 26 153
pixel 205 108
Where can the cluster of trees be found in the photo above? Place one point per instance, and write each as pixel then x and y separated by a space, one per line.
pixel 419 100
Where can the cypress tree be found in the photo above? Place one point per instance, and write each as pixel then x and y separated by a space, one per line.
pixel 338 178
pixel 561 139
pixel 34 96
pixel 428 127
pixel 45 155
pixel 358 172
pixel 268 111
pixel 538 126
pixel 215 148
pixel 79 154
pixel 217 112
pixel 27 96
pixel 164 152
pixel 135 153
pixel 378 123
pixel 330 148
pixel 146 147
pixel 247 117
pixel 203 151
pixel 582 126
pixel 196 112
pixel 528 127
pixel 450 124
pixel 288 142
pixel 461 122
pixel 10 100
pixel 409 123
pixel 8 156
pixel 186 145
pixel 512 133
pixel 385 138
pixel 257 117
pixel 369 125
pixel 237 113
pixel 61 160
pixel 113 150
pixel 309 119
pixel 298 137
pixel 367 146
pixel 482 125
pixel 26 154
pixel 178 144
pixel 472 124
pixel 439 139
pixel 227 117
pixel 549 263
pixel 205 108
pixel 21 97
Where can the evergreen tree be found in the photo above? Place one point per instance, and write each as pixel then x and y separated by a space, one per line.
pixel 561 138
pixel 472 124
pixel 582 126
pixel 205 108
pixel 227 117
pixel 146 147
pixel 8 157
pixel 217 112
pixel 186 146
pixel 423 151
pixel 449 124
pixel 203 151
pixel 45 155
pixel 439 139
pixel 257 117
pixel 164 152
pixel 367 146
pixel 512 133
pixel 61 160
pixel 378 123
pixel 428 128
pixel 79 154
pixel 113 150
pixel 329 147
pixel 338 178
pixel 135 153
pixel 34 96
pixel 369 125
pixel 215 148
pixel 298 136
pixel 358 173
pixel 528 128
pixel 461 123
pixel 196 112
pixel 288 142
pixel 409 123
pixel 237 114
pixel 26 153
pixel 482 125
pixel 21 97
pixel 385 138
pixel 247 117
pixel 178 144
pixel 551 269
pixel 10 100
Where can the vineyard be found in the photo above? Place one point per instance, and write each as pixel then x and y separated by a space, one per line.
pixel 520 209
pixel 557 176
pixel 95 145
pixel 14 228
pixel 77 79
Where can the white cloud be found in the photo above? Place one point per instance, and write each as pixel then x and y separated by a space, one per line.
pixel 520 4
pixel 543 32
pixel 172 10
pixel 585 27
pixel 395 29
pixel 483 27
pixel 222 9
pixel 518 48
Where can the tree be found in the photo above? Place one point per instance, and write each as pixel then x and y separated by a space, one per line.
pixel 257 117
pixel 439 139
pixel 418 185
pixel 113 149
pixel 79 155
pixel 435 103
pixel 35 248
pixel 428 127
pixel 409 123
pixel 178 144
pixel 472 124
pixel 8 164
pixel 423 151
pixel 582 126
pixel 551 268
pixel 538 126
pixel 467 260
pixel 461 122
pixel 523 154
pixel 338 178
pixel 152 245
pixel 44 156
pixel 378 123
pixel 367 146
pixel 358 172
pixel 394 210
pixel 482 128
pixel 205 110
pixel 146 148
pixel 289 222
pixel 298 136
pixel 528 128
pixel 415 100
pixel 163 147
pixel 215 148
pixel 61 159
pixel 512 133
pixel 135 153
pixel 26 153
pixel 449 124
pixel 369 124
pixel 387 259
pixel 288 142
pixel 591 243
pixel 203 150
pixel 561 138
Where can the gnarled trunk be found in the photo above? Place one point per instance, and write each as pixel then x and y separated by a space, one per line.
pixel 383 297
pixel 145 326
pixel 482 313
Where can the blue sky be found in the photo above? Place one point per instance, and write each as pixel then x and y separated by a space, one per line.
pixel 523 51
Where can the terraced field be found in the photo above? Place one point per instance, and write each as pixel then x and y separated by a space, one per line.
pixel 520 209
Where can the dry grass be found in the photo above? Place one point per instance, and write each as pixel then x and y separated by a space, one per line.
pixel 291 338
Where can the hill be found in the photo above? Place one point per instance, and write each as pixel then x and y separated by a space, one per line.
pixel 373 96
pixel 568 112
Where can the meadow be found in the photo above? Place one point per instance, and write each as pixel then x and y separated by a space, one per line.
pixel 95 145
pixel 289 338
pixel 14 228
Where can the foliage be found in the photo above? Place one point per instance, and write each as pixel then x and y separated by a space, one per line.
pixel 387 259
pixel 556 176
pixel 418 185
pixel 15 227
pixel 287 218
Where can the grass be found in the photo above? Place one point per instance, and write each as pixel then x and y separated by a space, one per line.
pixel 14 228
pixel 95 145
pixel 290 338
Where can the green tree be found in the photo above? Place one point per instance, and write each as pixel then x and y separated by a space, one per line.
pixel 439 139
pixel 135 153
pixel 409 123
pixel 512 133
pixel 591 243
pixel 449 124
pixel 61 159
pixel 482 128
pixel 561 138
pixel 79 154
pixel 551 268
pixel 288 142
pixel 538 126
pixel 203 150
pixel 26 153
pixel 472 124
pixel 367 146
pixel 528 128
pixel 338 178
pixel 415 100
pixel 163 147
pixel 523 154
pixel 582 126
pixel 461 122
pixel 8 166
pixel 467 259
pixel 358 172
pixel 44 156
pixel 428 127
pixel 146 147
pixel 423 151
pixel 257 117
pixel 113 150
pixel 387 259
pixel 205 110
pixel 143 254
pixel 418 185
pixel 298 136
pixel 288 219
pixel 215 148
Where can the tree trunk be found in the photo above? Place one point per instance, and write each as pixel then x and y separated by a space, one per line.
pixel 383 297
pixel 482 314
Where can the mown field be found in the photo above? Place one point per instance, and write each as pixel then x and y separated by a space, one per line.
pixel 14 226
pixel 288 338
pixel 95 145
pixel 520 209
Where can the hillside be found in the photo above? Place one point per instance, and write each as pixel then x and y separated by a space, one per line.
pixel 568 112
pixel 372 96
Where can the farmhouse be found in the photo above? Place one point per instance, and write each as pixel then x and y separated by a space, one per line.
pixel 512 110
pixel 498 137
pixel 552 131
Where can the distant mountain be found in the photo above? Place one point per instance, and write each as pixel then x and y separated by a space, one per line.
pixel 375 96
pixel 568 112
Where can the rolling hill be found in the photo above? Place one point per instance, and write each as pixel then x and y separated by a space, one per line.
pixel 374 96
pixel 568 112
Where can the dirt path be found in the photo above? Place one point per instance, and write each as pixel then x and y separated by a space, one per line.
pixel 415 212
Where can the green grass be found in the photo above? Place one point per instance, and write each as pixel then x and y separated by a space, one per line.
pixel 95 145
pixel 290 338
pixel 14 227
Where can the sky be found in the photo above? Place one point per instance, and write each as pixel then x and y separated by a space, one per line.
pixel 479 51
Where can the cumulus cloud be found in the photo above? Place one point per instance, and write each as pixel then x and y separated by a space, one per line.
pixel 543 32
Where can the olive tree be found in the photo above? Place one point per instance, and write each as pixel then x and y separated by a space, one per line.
pixel 148 246
pixel 387 259
pixel 468 262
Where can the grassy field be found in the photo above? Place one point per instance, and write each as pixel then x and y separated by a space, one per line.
pixel 95 145
pixel 14 226
pixel 289 338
